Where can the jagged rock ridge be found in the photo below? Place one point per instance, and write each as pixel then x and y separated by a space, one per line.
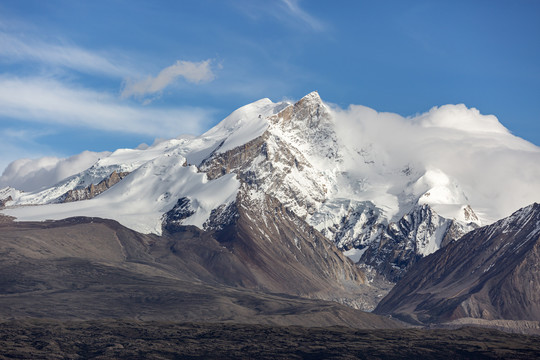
pixel 490 273
pixel 3 202
pixel 92 190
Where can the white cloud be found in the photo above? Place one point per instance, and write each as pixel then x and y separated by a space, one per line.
pixel 34 174
pixel 461 118
pixel 194 72
pixel 29 48
pixel 51 102
pixel 498 171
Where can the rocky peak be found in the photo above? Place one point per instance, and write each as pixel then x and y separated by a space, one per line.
pixel 307 111
pixel 311 97
pixel 308 126
pixel 291 162
pixel 283 253
pixel 469 215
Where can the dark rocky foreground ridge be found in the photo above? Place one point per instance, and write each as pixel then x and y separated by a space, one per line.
pixel 128 339
pixel 490 273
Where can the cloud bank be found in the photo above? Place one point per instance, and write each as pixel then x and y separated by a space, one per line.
pixel 35 174
pixel 193 72
pixel 491 166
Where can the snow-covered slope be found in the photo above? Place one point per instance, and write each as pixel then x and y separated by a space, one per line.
pixel 159 176
pixel 140 200
pixel 364 179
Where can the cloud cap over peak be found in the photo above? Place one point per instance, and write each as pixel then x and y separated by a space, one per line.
pixel 459 117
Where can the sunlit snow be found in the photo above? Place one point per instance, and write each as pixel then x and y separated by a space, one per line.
pixel 354 159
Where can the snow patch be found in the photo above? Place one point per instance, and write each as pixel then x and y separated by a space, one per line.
pixel 355 254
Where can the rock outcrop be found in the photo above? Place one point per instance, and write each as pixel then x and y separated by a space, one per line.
pixel 400 245
pixel 3 202
pixel 92 190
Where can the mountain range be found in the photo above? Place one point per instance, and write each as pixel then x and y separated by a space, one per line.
pixel 301 199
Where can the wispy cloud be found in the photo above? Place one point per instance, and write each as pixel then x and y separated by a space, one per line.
pixel 288 12
pixel 193 72
pixel 52 102
pixel 15 48
pixel 50 97
pixel 30 48
pixel 294 9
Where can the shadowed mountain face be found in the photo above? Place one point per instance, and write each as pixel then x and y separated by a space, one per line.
pixel 491 273
pixel 90 268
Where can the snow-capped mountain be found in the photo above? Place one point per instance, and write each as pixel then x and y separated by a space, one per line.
pixel 385 189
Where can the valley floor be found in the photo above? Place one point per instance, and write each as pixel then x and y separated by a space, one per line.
pixel 128 339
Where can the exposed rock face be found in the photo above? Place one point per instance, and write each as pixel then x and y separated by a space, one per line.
pixel 92 190
pixel 358 226
pixel 491 273
pixel 283 249
pixel 470 216
pixel 400 245
pixel 222 217
pixel 3 202
pixel 273 167
pixel 172 220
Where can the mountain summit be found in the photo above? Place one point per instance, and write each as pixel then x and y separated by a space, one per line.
pixel 384 189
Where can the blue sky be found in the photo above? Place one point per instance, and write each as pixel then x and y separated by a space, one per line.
pixel 100 75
